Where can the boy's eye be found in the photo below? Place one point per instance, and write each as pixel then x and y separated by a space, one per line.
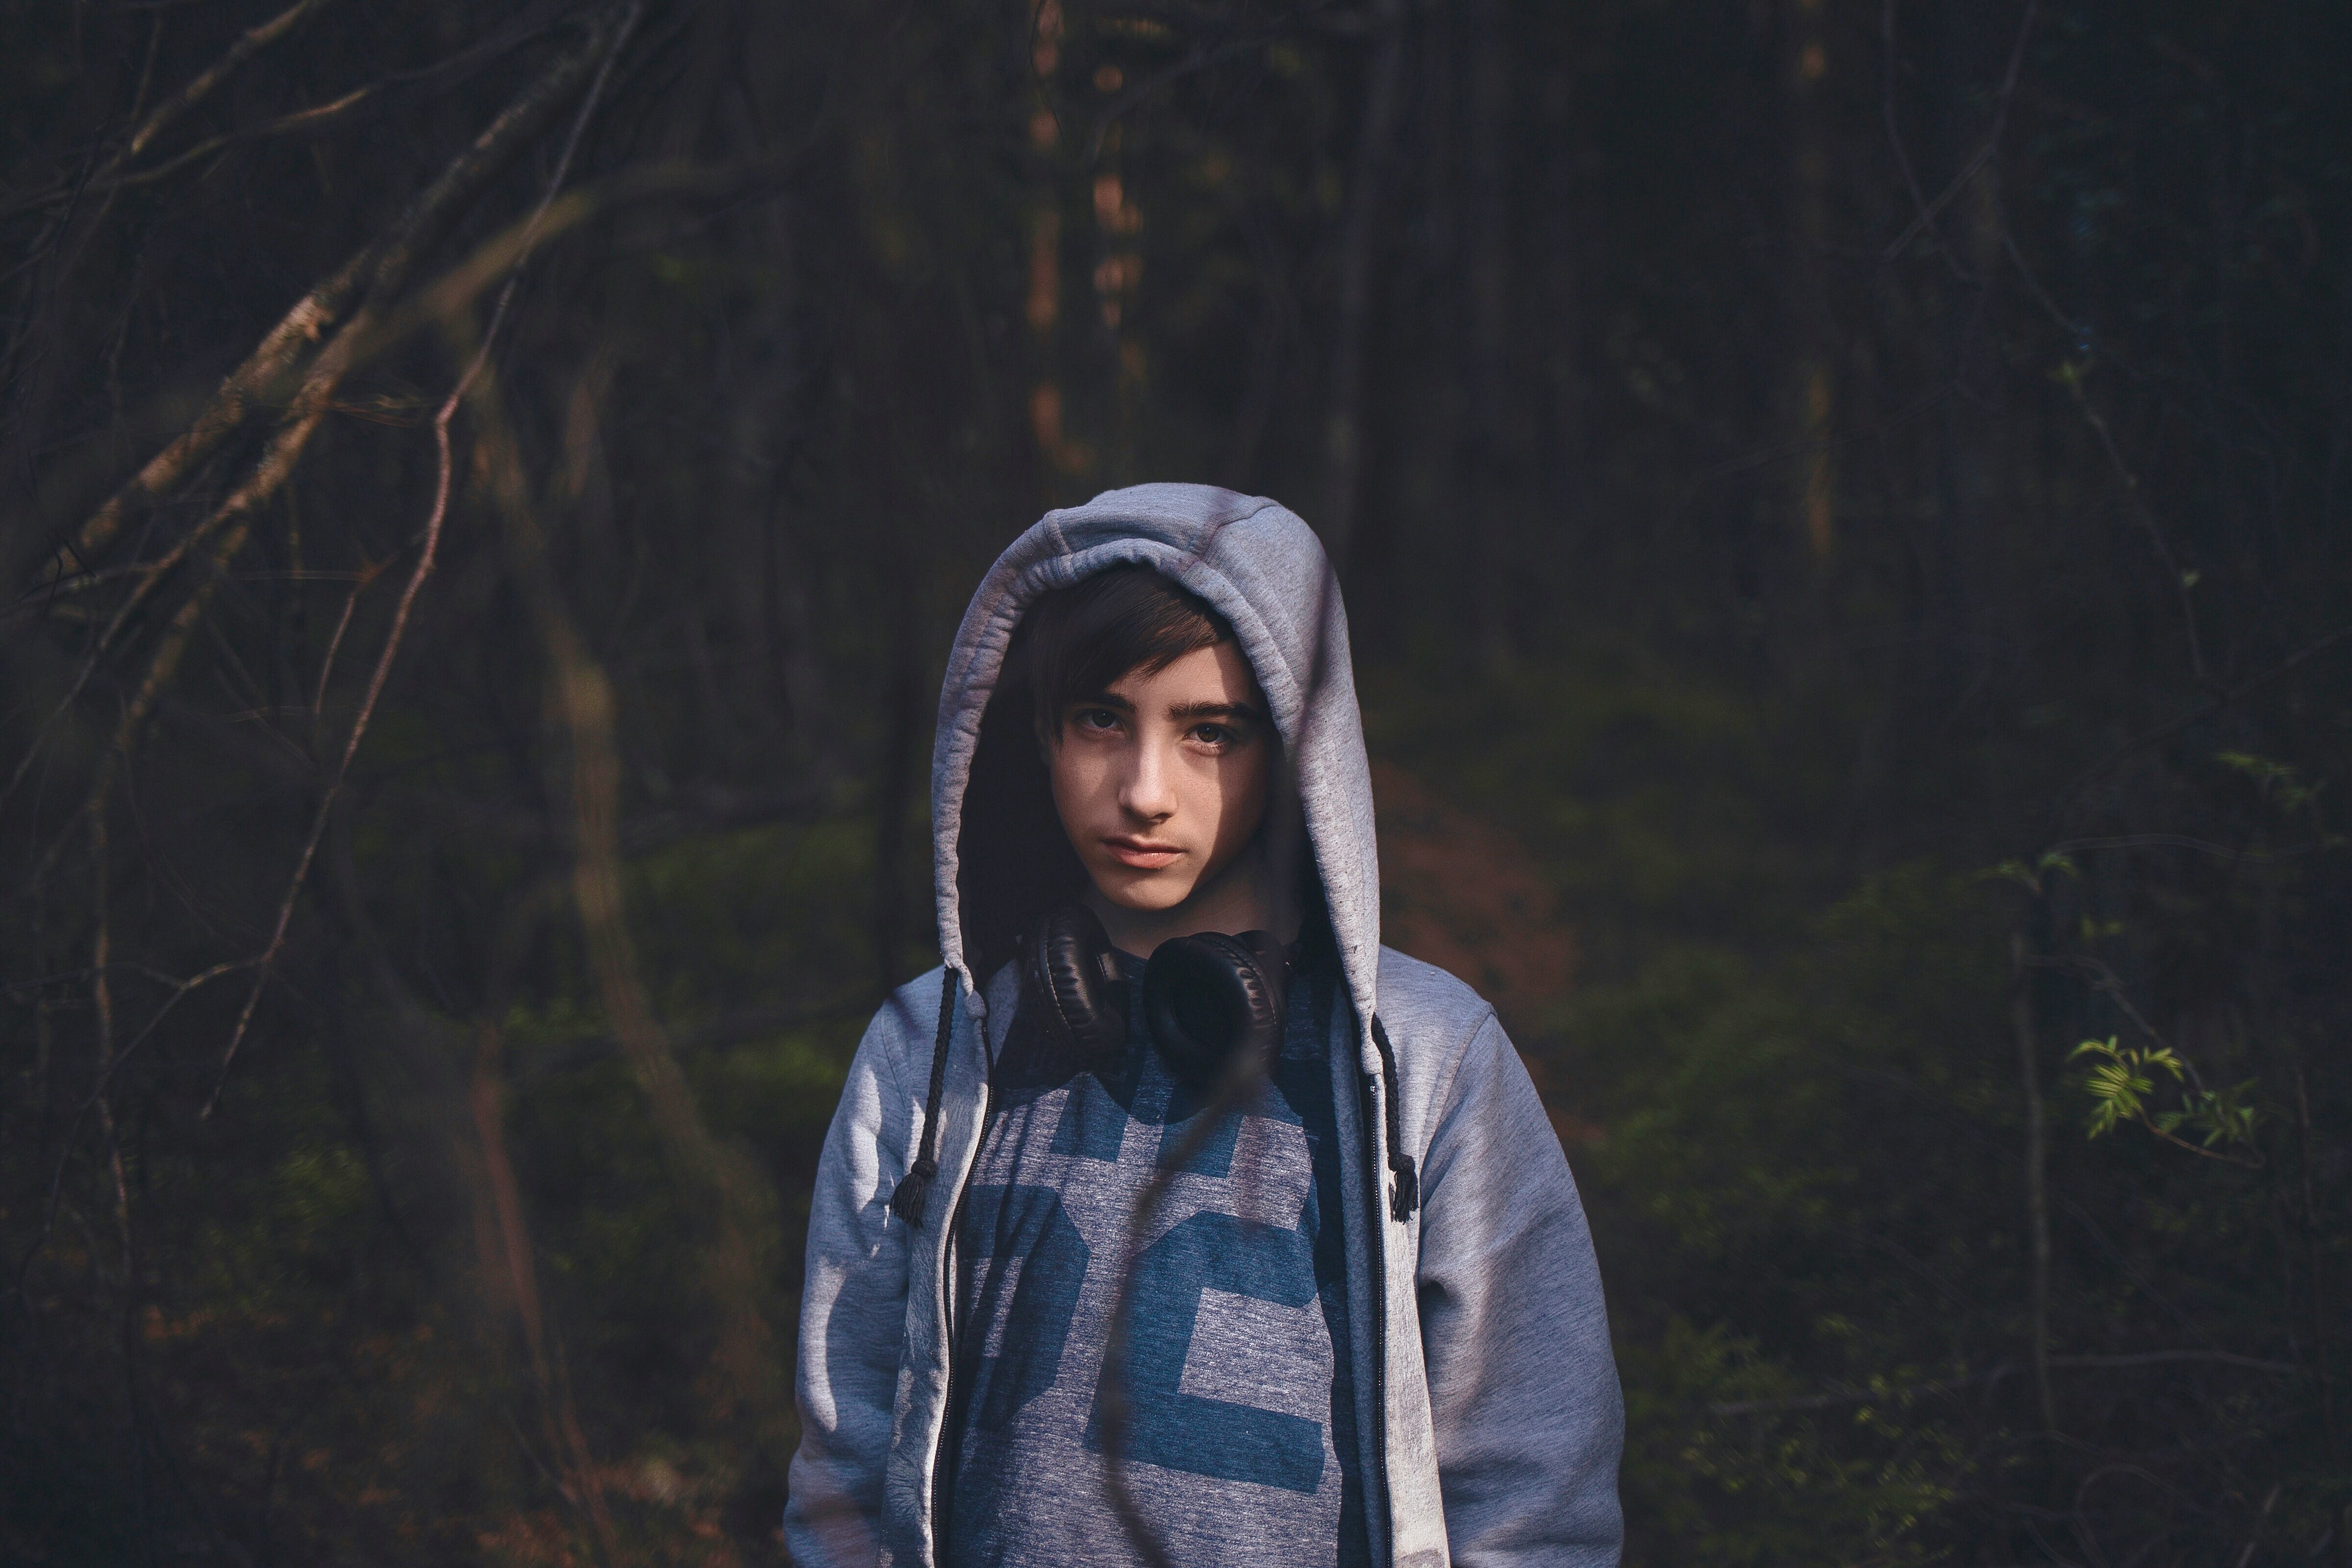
pixel 1213 734
pixel 1094 719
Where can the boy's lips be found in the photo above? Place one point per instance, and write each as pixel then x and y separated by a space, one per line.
pixel 1143 854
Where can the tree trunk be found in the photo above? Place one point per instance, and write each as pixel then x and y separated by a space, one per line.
pixel 1344 410
pixel 1489 269
pixel 720 1193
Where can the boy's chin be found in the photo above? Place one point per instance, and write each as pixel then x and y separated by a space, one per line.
pixel 1144 894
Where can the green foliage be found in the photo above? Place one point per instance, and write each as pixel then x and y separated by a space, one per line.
pixel 2117 1085
pixel 2281 784
pixel 2035 878
pixel 1752 1116
pixel 1800 1145
pixel 1733 1462
pixel 2118 1082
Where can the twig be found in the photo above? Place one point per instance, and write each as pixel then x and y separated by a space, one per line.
pixel 2179 841
pixel 44 595
pixel 2108 984
pixel 466 282
pixel 1199 58
pixel 2249 1162
pixel 1842 1395
pixel 2255 1537
pixel 101 994
pixel 169 651
pixel 309 122
pixel 327 665
pixel 1815 446
pixel 318 117
pixel 254 40
pixel 2130 481
pixel 179 988
pixel 2037 1161
pixel 1894 134
pixel 2079 331
pixel 386 270
pixel 113 1059
pixel 1992 137
pixel 2211 706
pixel 486 1098
pixel 609 49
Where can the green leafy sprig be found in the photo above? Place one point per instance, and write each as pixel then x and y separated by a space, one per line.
pixel 2120 1079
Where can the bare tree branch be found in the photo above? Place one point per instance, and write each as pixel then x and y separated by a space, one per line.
pixel 387 269
pixel 252 42
pixel 609 46
pixel 383 269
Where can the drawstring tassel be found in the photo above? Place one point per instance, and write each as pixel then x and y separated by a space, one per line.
pixel 908 1198
pixel 1404 1186
pixel 1405 1192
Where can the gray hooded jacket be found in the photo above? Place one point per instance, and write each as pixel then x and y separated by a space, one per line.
pixel 1488 1404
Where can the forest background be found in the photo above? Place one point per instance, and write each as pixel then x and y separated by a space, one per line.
pixel 1842 506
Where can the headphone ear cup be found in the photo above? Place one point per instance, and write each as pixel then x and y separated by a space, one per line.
pixel 1071 978
pixel 1210 998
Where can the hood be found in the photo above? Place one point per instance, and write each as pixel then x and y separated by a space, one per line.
pixel 999 859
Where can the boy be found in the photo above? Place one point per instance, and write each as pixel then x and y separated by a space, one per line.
pixel 1174 1219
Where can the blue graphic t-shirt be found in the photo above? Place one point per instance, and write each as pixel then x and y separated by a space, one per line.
pixel 1241 1440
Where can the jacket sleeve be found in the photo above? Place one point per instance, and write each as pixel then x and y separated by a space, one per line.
pixel 1522 1384
pixel 853 1309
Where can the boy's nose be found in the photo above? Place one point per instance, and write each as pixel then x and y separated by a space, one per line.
pixel 1146 791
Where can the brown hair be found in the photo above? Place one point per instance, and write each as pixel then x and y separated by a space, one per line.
pixel 1081 639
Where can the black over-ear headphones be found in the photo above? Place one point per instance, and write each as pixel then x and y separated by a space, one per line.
pixel 1210 998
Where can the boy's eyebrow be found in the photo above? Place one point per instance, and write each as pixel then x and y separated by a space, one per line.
pixel 1213 710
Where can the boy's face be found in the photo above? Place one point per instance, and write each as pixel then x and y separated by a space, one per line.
pixel 1162 780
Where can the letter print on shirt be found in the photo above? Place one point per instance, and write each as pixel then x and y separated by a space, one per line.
pixel 1240 1435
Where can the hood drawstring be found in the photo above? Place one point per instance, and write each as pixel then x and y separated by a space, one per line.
pixel 907 1199
pixel 1404 1193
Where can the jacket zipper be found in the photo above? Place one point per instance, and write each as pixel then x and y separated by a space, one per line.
pixel 947 1316
pixel 1375 1163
